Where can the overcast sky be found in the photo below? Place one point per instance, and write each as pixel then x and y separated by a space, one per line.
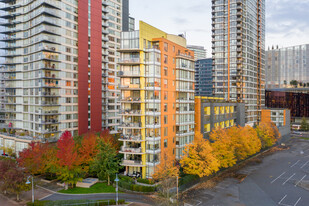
pixel 287 21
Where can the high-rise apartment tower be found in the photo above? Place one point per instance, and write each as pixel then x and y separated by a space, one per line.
pixel 60 67
pixel 238 50
pixel 157 98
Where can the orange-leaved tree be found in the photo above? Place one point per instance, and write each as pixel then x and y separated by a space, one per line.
pixel 106 137
pixel 223 147
pixel 87 151
pixel 32 158
pixel 245 141
pixel 268 134
pixel 199 158
pixel 166 173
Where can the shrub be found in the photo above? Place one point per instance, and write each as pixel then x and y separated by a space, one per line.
pixel 126 178
pixel 146 181
pixel 4 130
pixel 188 178
pixel 137 188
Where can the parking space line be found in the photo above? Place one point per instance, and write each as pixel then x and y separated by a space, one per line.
pixel 304 165
pixel 288 179
pixel 282 199
pixel 297 201
pixel 277 178
pixel 300 180
pixel 295 163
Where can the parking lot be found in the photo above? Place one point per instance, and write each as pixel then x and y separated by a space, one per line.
pixel 280 179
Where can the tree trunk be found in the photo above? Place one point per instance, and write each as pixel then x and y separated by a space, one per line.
pixel 108 180
pixel 17 196
pixel 66 186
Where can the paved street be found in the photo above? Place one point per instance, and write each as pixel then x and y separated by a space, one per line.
pixel 276 181
pixel 127 197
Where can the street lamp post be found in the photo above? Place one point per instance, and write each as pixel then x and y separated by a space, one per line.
pixel 117 180
pixel 28 182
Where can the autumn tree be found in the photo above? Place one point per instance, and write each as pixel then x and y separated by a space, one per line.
pixel 13 179
pixel 68 169
pixel 87 151
pixel 245 141
pixel 199 158
pixel 31 158
pixel 166 173
pixel 106 137
pixel 223 147
pixel 105 163
pixel 268 134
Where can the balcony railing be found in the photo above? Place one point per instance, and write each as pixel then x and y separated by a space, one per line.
pixel 129 61
pixel 131 137
pixel 133 112
pixel 131 150
pixel 132 162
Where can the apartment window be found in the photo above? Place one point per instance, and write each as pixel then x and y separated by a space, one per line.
pixel 165 95
pixel 165 131
pixel 165 59
pixel 166 47
pixel 165 83
pixel 165 119
pixel 165 107
pixel 173 48
pixel 68 58
pixel 165 143
pixel 165 71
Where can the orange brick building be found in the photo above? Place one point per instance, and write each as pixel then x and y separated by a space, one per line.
pixel 157 98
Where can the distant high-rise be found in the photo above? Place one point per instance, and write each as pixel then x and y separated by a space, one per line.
pixel 238 44
pixel 199 52
pixel 287 64
pixel 203 77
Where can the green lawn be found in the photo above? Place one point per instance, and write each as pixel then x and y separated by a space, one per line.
pixel 96 188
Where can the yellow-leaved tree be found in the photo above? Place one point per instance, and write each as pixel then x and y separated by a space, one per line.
pixel 245 141
pixel 268 134
pixel 223 147
pixel 199 158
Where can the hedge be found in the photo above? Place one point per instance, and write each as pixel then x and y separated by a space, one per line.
pixel 62 202
pixel 187 178
pixel 133 187
pixel 145 181
pixel 126 178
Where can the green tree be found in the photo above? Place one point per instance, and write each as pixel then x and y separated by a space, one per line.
pixel 294 83
pixel 105 163
pixel 304 126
